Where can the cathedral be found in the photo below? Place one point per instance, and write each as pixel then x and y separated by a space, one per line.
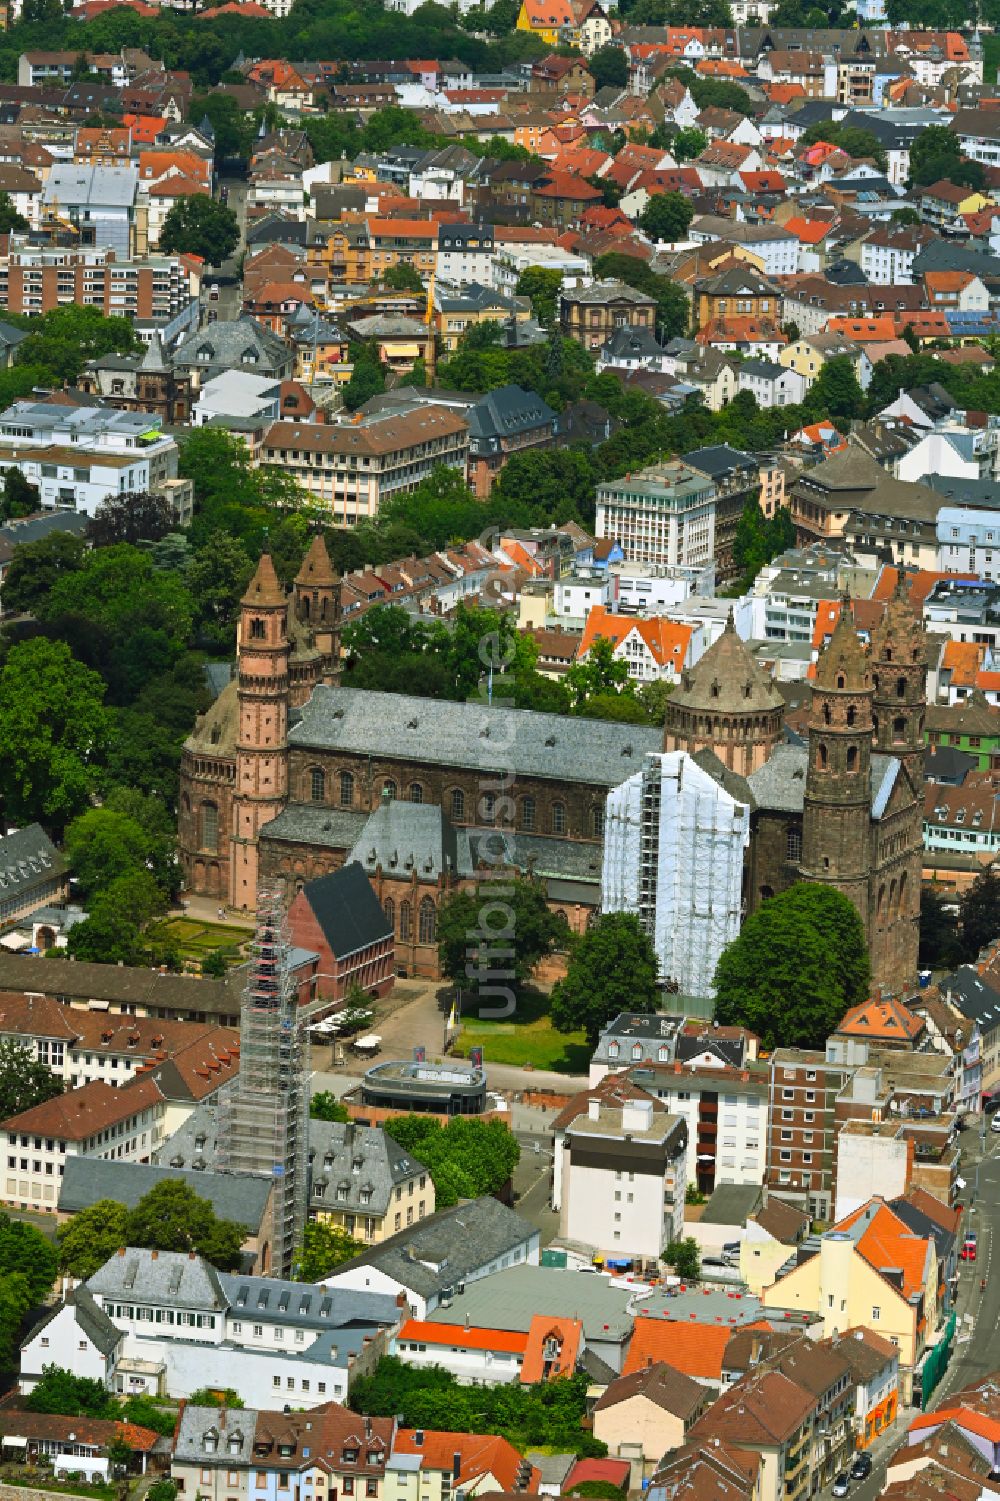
pixel 289 774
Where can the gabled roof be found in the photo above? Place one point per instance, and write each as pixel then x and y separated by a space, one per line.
pixel 882 1020
pixel 347 910
pixel 693 1349
pixel 661 1384
pixel 477 1455
pixel 667 641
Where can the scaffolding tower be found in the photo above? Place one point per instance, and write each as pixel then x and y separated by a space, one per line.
pixel 264 1116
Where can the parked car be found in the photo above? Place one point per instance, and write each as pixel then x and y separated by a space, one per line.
pixel 861 1467
pixel 995 1123
pixel 970 1246
pixel 842 1484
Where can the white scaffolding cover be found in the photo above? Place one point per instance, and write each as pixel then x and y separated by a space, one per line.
pixel 673 853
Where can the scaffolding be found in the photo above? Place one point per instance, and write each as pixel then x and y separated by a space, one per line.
pixel 264 1117
pixel 673 854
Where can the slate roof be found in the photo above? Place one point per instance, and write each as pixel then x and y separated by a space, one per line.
pixel 406 836
pixel 729 661
pixel 234 1196
pixel 507 411
pixel 780 783
pixel 518 741
pixel 145 987
pixel 305 823
pixel 719 459
pixel 448 1246
pixel 26 858
pixel 166 1277
pixel 357 1158
pixel 631 343
pixel 347 910
pixel 90 1316
pixel 227 343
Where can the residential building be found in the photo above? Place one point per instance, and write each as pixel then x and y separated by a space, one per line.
pixel 725 1108
pixel 464 254
pixel 869 1269
pixel 79 1327
pixel 99 203
pixel 654 649
pixel 873 1361
pixel 643 1416
pixel 663 515
pixel 35 279
pixel 619 1177
pixel 548 1349
pixel 242 344
pixel 33 874
pixel 503 422
pixel 472 1463
pixel 736 476
pixel 353 468
pixel 363 1182
pixel 802 1127
pixel 771 383
pixel 94 1120
pixel 591 314
pixel 771 1416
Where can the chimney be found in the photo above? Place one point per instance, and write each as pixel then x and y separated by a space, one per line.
pixel 456 1466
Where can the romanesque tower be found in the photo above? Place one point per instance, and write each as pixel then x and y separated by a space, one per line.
pixel 899 677
pixel 317 606
pixel 727 704
pixel 262 736
pixel 837 807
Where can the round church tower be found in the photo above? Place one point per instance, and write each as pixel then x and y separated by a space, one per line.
pixel 726 703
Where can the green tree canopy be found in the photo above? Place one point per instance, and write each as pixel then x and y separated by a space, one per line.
pixel 367 377
pixel 172 1217
pixel 836 392
pixel 35 567
pixel 666 216
pixel 24 1081
pixel 59 1391
pixel 53 730
pixel 608 67
pixel 612 968
pixel 673 311
pixel 542 287
pixel 491 939
pixel 324 1106
pixel 324 1248
pixel 798 964
pixel 67 337
pixel 92 1237
pixel 466 1159
pixel 979 913
pixel 689 143
pixel 26 1251
pixel 200 225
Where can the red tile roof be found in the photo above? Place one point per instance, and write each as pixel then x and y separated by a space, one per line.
pixel 696 1349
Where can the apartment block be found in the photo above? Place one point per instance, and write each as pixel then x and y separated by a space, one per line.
pixel 36 279
pixel 802 1103
pixel 351 469
pixel 663 515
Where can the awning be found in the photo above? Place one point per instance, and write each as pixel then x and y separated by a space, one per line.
pixel 14 1441
pixel 372 1041
pixel 15 942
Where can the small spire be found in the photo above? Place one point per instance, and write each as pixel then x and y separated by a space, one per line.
pixel 316 566
pixel 264 588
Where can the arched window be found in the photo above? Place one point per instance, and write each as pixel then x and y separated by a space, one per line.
pixel 416 793
pixel 597 822
pixel 793 845
pixel 389 789
pixel 880 904
pixel 209 839
pixel 852 758
pixel 527 813
pixel 257 629
pixel 428 921
pixel 901 903
pixel 841 680
pixel 346 789
pixel 900 687
pixel 826 714
pixel 488 807
pixel 186 803
pixel 458 805
pixel 899 729
pixel 821 757
pixel 888 654
pixel 558 818
pixel 389 908
pixel 851 714
pixel 404 921
pixel 317 785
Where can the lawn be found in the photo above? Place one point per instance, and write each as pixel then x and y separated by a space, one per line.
pixel 528 1038
pixel 195 939
pixel 991 56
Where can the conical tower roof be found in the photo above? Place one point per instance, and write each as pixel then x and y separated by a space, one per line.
pixel 901 626
pixel 153 361
pixel 264 588
pixel 316 566
pixel 727 679
pixel 844 656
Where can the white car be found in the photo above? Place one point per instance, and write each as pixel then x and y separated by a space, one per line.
pixel 995 1124
pixel 842 1484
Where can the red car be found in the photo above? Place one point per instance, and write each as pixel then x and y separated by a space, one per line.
pixel 969 1246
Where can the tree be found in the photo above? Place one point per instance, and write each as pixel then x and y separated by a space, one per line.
pixel 936 153
pixel 367 377
pixel 979 913
pixel 92 1237
pixel 67 337
pixel 112 932
pixel 17 496
pixel 24 1081
pixel 689 143
pixel 215 965
pixel 15 1303
pixel 324 1247
pixel 133 516
pixel 673 310
pixel 608 67
pixel 9 216
pixel 103 845
pixel 836 392
pixel 491 939
pixel 798 964
pixel 466 1159
pixel 26 1251
pixel 542 287
pixel 940 947
pixel 612 968
pixel 217 578
pixel 172 1217
pixel 685 1258
pixel 59 1391
pixel 901 216
pixel 199 225
pixel 210 1396
pixel 403 277
pixel 666 216
pixel 324 1106
pixel 750 541
pixel 600 673
pixel 35 567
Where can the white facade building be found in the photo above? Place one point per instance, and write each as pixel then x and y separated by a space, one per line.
pixel 663 516
pixel 673 853
pixel 969 541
